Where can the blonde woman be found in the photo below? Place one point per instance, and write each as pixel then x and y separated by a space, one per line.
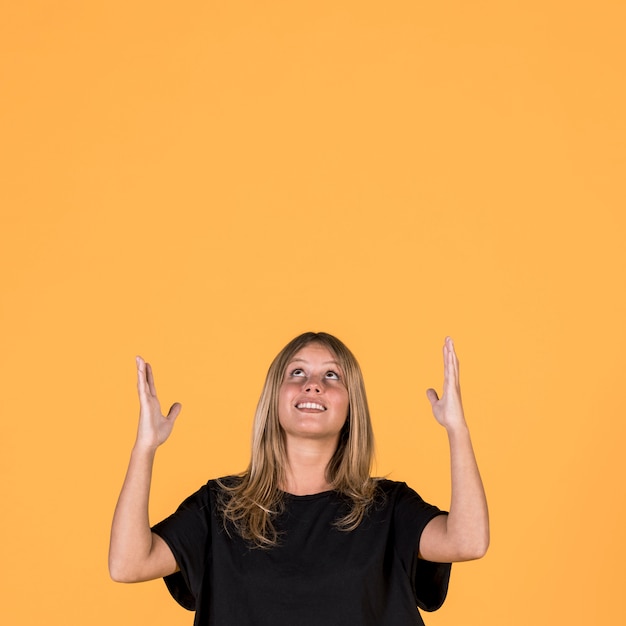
pixel 305 536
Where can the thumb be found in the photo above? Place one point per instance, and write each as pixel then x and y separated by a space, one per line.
pixel 432 396
pixel 174 411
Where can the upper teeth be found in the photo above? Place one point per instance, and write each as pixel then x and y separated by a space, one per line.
pixel 310 405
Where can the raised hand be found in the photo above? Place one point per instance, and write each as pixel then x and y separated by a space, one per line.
pixel 448 410
pixel 134 553
pixel 464 533
pixel 154 427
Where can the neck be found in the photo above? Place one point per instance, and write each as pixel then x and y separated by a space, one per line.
pixel 307 461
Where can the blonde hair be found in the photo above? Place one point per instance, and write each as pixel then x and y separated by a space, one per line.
pixel 252 500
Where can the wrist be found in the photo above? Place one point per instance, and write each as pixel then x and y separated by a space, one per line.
pixel 457 429
pixel 144 450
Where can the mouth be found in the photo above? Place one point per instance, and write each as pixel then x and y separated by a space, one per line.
pixel 310 405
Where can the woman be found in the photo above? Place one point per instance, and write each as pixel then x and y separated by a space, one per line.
pixel 304 536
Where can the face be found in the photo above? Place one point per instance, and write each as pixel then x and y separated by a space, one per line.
pixel 313 399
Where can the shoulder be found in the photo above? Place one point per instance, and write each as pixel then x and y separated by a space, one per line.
pixel 401 498
pixel 393 488
pixel 224 486
pixel 225 482
pixel 212 490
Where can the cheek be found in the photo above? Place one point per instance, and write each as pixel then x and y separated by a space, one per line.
pixel 345 405
pixel 284 401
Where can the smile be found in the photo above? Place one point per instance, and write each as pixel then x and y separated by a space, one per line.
pixel 310 405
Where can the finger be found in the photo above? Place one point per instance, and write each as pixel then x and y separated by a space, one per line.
pixel 450 367
pixel 445 352
pixel 150 378
pixel 446 365
pixel 455 360
pixel 432 396
pixel 141 374
pixel 174 411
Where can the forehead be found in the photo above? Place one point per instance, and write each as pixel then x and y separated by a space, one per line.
pixel 315 353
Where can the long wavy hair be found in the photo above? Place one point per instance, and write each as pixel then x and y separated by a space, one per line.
pixel 251 501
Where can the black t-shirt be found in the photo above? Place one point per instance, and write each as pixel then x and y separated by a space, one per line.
pixel 318 575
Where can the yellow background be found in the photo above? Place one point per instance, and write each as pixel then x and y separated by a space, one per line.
pixel 200 181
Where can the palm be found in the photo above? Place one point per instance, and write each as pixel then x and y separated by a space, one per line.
pixel 448 410
pixel 154 427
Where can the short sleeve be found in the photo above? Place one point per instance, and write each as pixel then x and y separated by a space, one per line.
pixel 187 532
pixel 430 580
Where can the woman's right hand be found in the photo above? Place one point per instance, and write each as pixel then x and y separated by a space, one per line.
pixel 154 427
pixel 136 554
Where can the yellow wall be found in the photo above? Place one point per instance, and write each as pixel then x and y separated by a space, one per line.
pixel 198 182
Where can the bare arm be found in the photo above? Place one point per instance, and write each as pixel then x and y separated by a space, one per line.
pixel 135 553
pixel 464 533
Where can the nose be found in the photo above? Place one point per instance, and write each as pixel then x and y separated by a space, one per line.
pixel 313 386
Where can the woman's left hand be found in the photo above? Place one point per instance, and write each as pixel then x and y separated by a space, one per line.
pixel 448 410
pixel 464 533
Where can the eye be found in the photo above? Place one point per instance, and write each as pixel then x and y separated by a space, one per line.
pixel 332 375
pixel 297 372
